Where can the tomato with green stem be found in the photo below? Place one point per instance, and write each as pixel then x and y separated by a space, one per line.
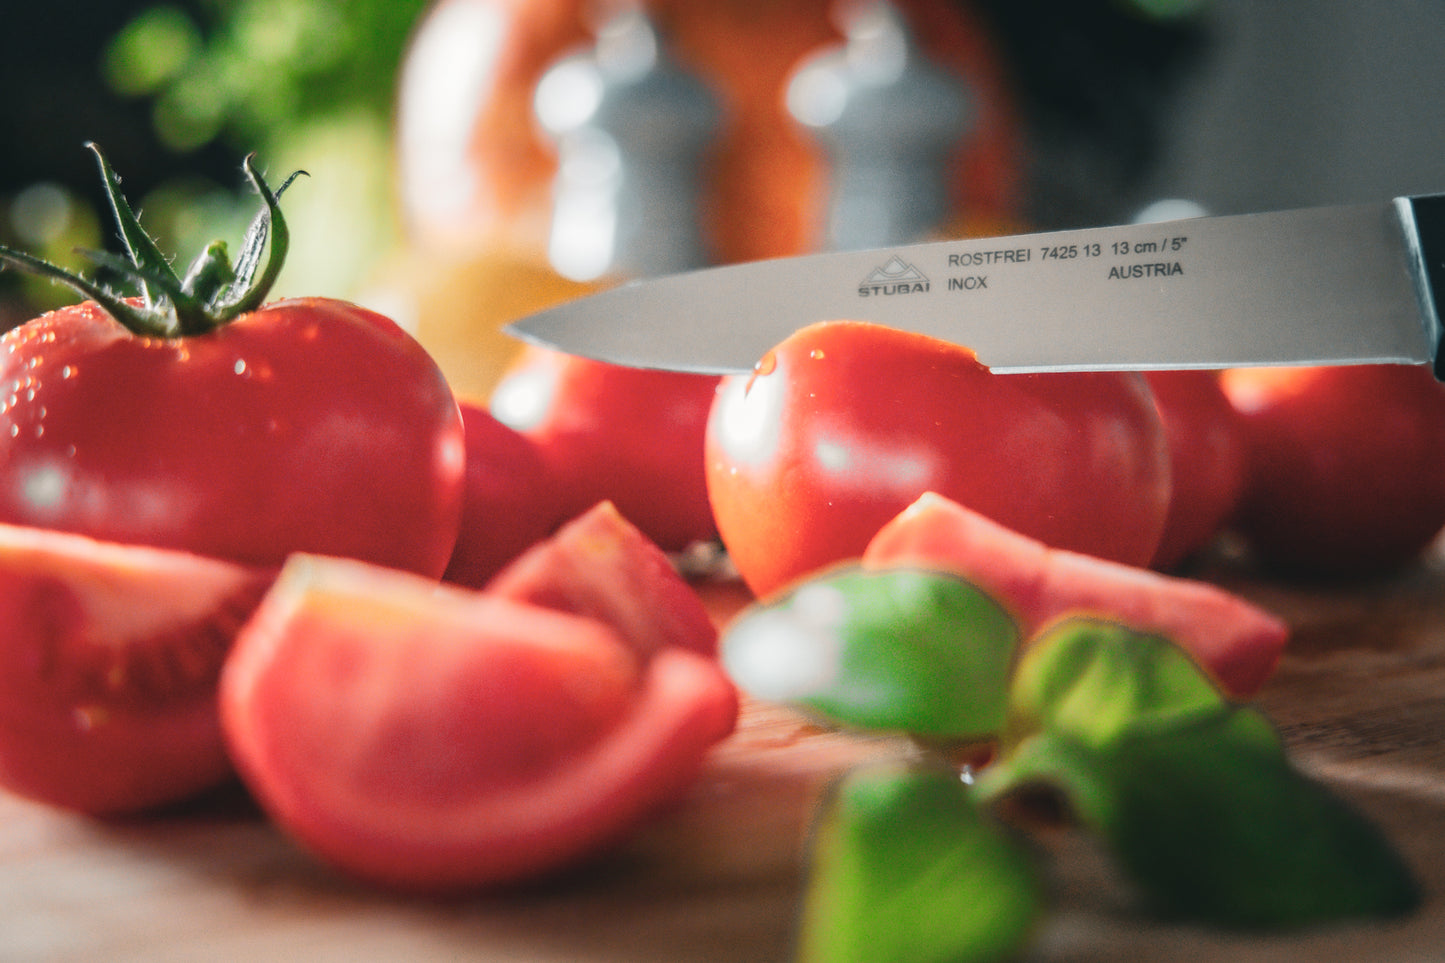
pixel 197 417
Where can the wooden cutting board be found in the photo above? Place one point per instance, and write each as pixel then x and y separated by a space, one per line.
pixel 1360 699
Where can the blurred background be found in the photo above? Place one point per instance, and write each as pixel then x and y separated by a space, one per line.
pixel 471 159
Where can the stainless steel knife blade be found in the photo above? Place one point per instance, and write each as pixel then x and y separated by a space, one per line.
pixel 1335 285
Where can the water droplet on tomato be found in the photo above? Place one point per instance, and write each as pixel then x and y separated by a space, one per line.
pixel 766 365
pixel 816 354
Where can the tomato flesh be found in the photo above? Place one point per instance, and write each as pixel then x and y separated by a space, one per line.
pixel 601 565
pixel 108 668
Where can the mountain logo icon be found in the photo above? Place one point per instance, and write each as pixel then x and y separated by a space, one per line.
pixel 893 276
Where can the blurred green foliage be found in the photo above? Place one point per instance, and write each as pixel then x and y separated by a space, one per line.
pixel 254 71
pixel 305 84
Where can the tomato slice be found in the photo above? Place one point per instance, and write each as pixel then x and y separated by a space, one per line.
pixel 601 565
pixel 108 668
pixel 425 737
pixel 1237 642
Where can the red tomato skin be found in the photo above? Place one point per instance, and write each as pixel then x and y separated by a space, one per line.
pixel 308 425
pixel 630 436
pixel 1207 461
pixel 510 503
pixel 844 424
pixel 1346 466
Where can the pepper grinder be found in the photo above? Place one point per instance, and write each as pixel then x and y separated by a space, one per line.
pixel 631 129
pixel 891 122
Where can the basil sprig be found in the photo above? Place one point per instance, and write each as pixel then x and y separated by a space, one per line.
pixel 1192 794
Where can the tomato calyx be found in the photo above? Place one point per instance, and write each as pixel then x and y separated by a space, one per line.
pixel 213 292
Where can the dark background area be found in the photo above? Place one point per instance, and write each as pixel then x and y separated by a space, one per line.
pixel 56 99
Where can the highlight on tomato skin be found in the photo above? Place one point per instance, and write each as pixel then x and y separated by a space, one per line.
pixel 850 422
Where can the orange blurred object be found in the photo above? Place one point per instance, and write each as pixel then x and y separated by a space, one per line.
pixel 456 304
pixel 476 170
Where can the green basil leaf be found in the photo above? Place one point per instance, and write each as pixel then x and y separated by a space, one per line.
pixel 1194 796
pixel 1099 680
pixel 903 650
pixel 907 869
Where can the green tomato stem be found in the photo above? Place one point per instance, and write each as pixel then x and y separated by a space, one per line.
pixel 212 294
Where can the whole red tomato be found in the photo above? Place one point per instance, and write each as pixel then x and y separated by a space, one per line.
pixel 309 425
pixel 845 424
pixel 1347 465
pixel 631 436
pixel 199 418
pixel 1206 460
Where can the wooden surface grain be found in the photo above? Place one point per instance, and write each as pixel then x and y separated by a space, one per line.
pixel 1360 699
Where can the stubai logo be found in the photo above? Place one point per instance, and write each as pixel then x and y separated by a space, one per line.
pixel 894 276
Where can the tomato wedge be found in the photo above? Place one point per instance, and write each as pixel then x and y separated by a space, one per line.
pixel 108 667
pixel 429 738
pixel 1237 642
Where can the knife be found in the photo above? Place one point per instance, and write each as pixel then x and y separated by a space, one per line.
pixel 1356 284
